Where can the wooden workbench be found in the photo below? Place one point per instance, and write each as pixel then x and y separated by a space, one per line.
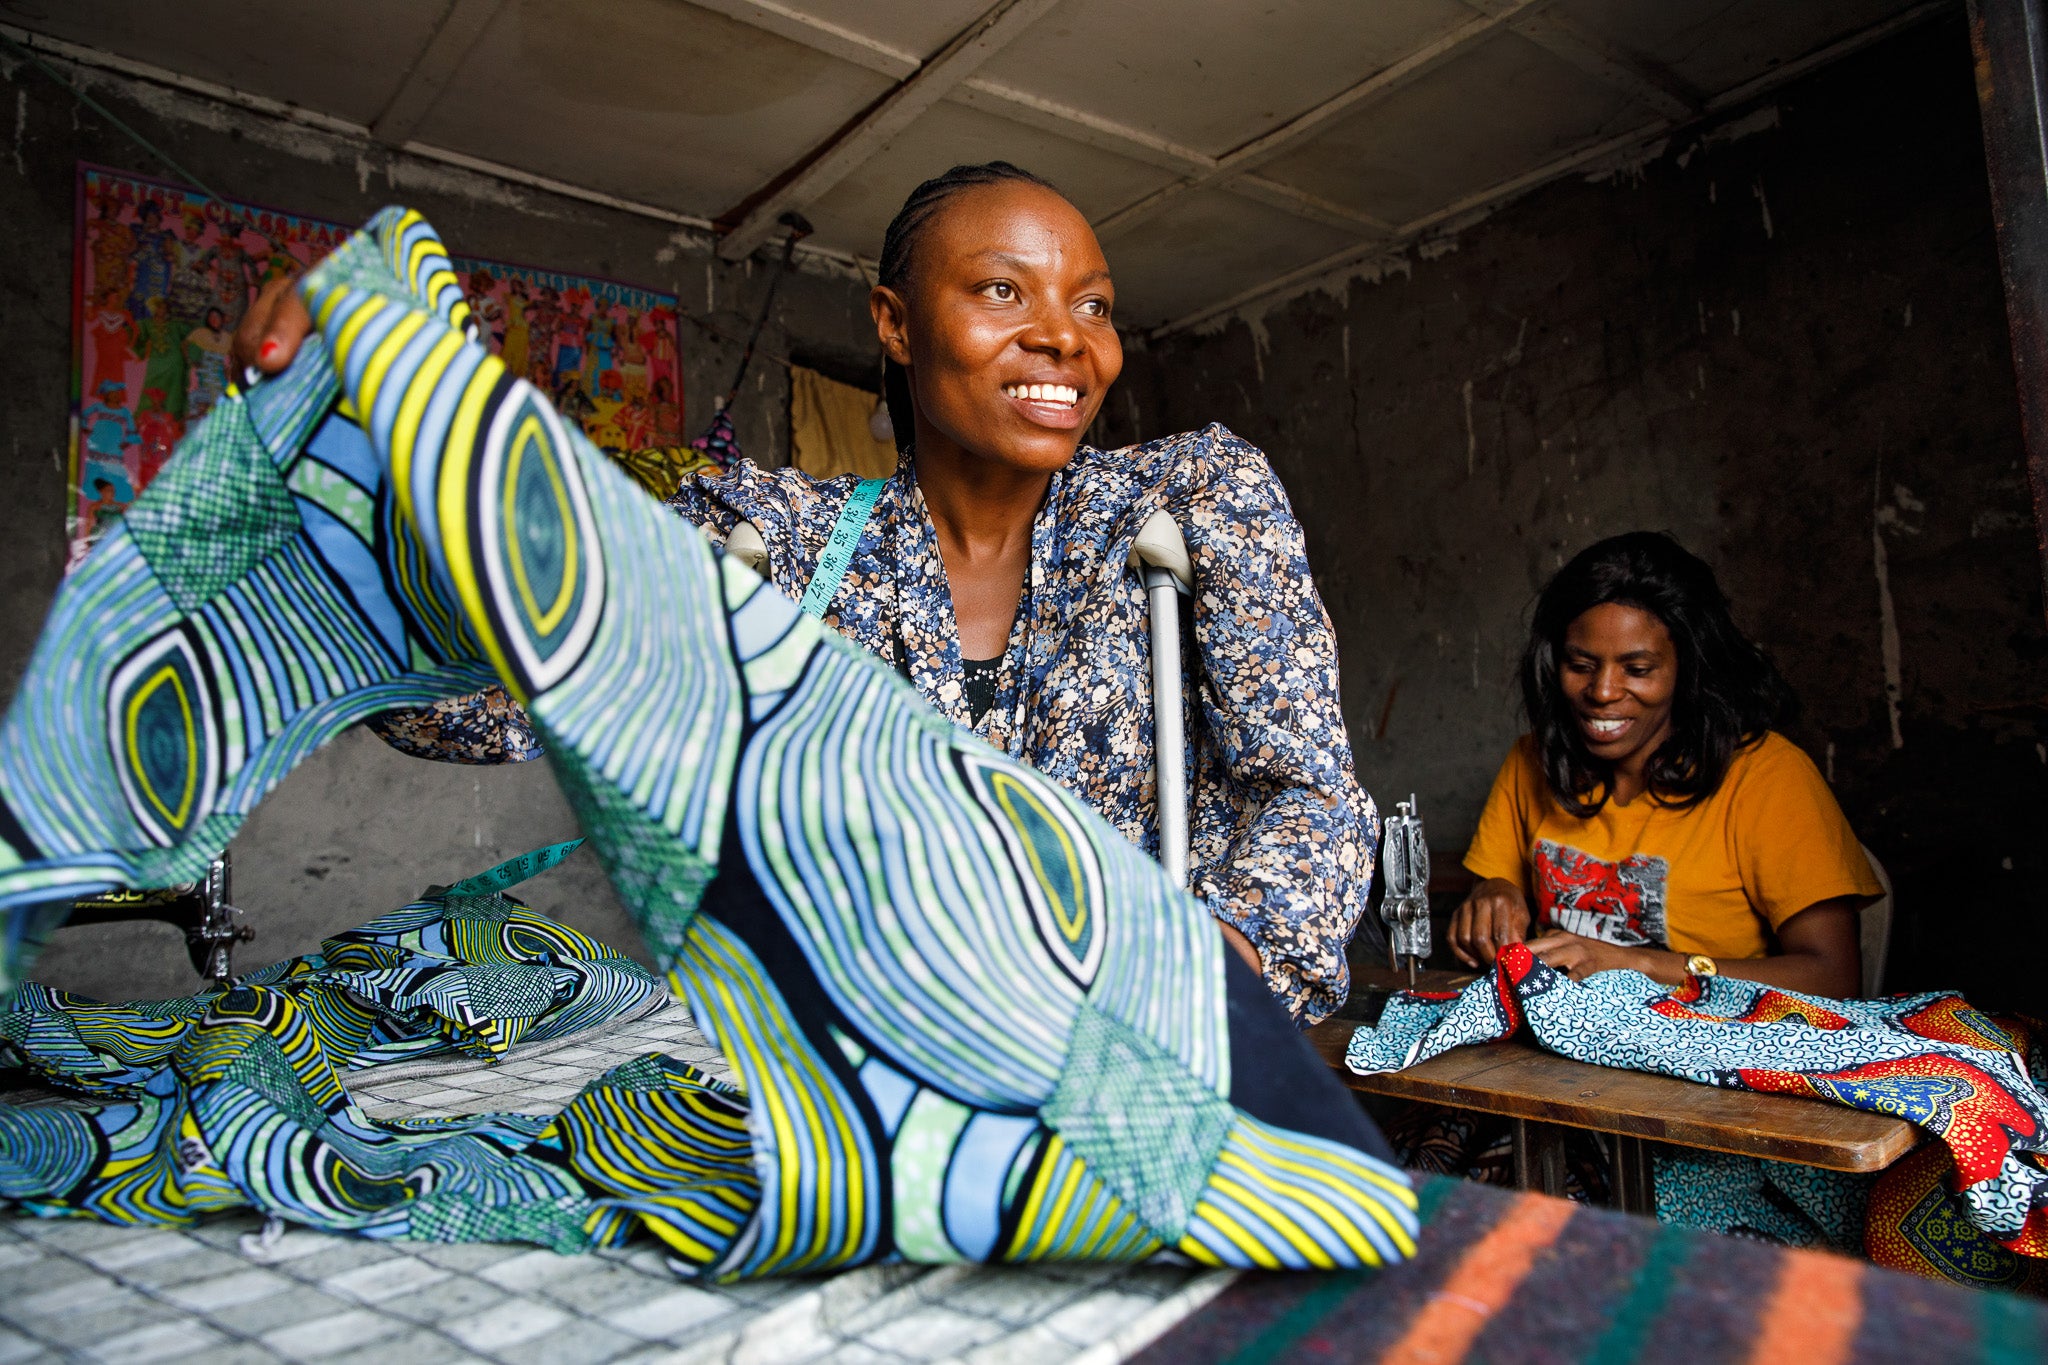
pixel 1542 1091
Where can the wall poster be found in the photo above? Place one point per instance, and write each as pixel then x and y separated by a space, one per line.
pixel 162 274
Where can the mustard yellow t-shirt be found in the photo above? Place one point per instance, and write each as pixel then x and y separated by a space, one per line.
pixel 1718 879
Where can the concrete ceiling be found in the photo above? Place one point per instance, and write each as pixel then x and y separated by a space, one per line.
pixel 1223 147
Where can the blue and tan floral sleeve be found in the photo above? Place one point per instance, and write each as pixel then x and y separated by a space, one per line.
pixel 1285 839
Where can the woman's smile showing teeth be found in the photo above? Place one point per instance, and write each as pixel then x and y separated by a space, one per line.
pixel 1601 729
pixel 1046 405
pixel 1063 394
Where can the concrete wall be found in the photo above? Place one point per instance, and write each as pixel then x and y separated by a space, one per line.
pixel 358 829
pixel 1788 348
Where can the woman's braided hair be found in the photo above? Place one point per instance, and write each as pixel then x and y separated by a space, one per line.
pixel 898 244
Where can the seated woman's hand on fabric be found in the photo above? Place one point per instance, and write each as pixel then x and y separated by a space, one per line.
pixel 1493 915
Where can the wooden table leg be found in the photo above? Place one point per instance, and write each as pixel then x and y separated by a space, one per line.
pixel 1539 1156
pixel 1634 1177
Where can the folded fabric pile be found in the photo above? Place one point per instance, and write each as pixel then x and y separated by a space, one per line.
pixel 237 1096
pixel 1969 1080
pixel 970 1020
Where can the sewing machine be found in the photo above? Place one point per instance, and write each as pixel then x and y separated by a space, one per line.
pixel 1404 862
pixel 201 909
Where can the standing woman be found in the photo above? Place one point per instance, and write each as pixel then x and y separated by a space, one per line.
pixel 990 569
pixel 1652 818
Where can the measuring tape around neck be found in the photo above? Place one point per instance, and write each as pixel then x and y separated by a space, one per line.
pixel 846 534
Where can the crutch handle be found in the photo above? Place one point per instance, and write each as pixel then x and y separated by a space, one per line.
pixel 745 545
pixel 1160 558
pixel 1159 546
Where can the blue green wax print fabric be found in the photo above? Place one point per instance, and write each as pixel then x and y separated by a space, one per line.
pixel 234 1097
pixel 969 1020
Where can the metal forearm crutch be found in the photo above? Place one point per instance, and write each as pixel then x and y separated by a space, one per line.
pixel 1160 558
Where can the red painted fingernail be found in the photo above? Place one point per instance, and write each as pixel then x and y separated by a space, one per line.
pixel 269 350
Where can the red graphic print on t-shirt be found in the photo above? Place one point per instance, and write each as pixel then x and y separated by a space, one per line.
pixel 1615 902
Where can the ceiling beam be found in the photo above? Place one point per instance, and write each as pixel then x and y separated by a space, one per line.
pixel 931 82
pixel 1314 208
pixel 1590 153
pixel 460 27
pixel 1643 81
pixel 1078 125
pixel 807 30
pixel 1035 111
pixel 1291 134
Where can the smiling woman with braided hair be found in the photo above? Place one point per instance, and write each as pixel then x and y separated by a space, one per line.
pixel 990 570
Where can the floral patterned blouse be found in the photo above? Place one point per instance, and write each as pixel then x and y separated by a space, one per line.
pixel 1283 839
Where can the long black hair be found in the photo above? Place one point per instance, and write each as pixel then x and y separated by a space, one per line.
pixel 898 244
pixel 1728 695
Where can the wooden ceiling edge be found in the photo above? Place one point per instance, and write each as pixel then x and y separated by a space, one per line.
pixel 1502 191
pixel 1408 233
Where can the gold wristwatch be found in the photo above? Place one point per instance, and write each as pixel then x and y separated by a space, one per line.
pixel 1699 964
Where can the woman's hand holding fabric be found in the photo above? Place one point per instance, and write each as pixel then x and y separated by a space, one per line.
pixel 1494 915
pixel 1579 957
pixel 268 336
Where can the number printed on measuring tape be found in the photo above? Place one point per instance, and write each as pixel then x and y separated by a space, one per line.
pixel 845 539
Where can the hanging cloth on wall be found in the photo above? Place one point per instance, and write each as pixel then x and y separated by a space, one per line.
pixel 831 429
pixel 970 1020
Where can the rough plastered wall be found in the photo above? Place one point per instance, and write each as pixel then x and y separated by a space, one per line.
pixel 358 829
pixel 1785 344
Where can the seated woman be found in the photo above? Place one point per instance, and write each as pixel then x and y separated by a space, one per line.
pixel 991 569
pixel 1653 819
pixel 1650 820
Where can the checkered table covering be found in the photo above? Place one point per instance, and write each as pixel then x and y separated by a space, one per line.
pixel 229 1291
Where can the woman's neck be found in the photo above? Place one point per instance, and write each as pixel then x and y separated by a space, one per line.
pixel 1628 781
pixel 983 510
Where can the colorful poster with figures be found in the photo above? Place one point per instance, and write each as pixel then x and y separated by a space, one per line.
pixel 162 275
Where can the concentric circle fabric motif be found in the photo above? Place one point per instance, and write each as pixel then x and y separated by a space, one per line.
pixel 968 1019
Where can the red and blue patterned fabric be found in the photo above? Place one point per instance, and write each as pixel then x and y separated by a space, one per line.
pixel 1963 1210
